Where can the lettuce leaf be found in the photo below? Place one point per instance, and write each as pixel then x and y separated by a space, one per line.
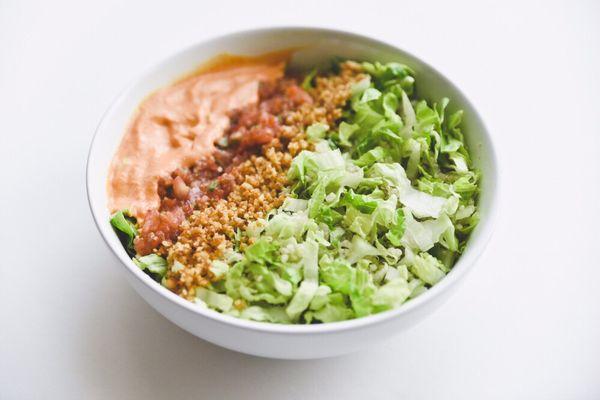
pixel 310 282
pixel 153 263
pixel 124 224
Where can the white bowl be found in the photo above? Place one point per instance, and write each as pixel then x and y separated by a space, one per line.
pixel 290 341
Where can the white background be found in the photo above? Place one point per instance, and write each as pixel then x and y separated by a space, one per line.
pixel 525 324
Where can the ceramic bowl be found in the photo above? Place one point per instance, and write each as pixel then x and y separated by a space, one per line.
pixel 315 46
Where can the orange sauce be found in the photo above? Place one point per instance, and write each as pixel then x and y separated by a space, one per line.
pixel 178 124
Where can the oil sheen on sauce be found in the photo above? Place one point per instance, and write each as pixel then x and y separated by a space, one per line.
pixel 178 124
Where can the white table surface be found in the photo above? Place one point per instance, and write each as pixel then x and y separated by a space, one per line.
pixel 526 322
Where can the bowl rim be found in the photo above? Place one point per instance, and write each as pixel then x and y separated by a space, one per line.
pixel 464 264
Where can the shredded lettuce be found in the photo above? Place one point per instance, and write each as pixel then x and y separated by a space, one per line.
pixel 309 285
pixel 427 268
pixel 307 83
pixel 317 131
pixel 124 224
pixel 152 263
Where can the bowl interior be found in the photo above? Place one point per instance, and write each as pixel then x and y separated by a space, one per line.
pixel 315 47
